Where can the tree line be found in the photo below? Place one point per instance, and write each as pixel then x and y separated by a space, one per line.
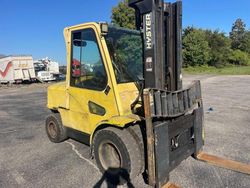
pixel 215 48
pixel 201 47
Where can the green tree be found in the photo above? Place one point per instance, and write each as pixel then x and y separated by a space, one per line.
pixel 220 47
pixel 246 42
pixel 188 30
pixel 237 34
pixel 123 15
pixel 195 48
pixel 239 57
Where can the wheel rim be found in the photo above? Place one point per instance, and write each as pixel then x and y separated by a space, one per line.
pixel 110 156
pixel 52 130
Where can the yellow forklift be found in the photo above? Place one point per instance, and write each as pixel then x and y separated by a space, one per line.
pixel 123 96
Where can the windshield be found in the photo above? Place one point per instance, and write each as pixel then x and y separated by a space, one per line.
pixel 125 48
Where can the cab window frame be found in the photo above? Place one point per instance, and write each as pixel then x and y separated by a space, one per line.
pixel 72 84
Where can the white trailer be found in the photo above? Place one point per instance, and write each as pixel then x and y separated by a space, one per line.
pixel 16 69
pixel 53 67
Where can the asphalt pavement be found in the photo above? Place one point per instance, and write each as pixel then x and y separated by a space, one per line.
pixel 29 159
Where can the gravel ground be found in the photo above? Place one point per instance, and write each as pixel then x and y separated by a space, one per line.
pixel 28 159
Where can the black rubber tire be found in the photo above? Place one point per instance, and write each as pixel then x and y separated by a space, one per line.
pixel 127 149
pixel 58 134
pixel 136 132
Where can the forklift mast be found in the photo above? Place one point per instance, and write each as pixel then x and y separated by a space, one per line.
pixel 161 26
pixel 173 116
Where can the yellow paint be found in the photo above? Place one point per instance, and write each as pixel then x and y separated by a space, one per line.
pixel 127 95
pixel 72 102
pixel 118 121
pixel 57 96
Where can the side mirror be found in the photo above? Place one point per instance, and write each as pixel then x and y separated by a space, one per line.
pixel 79 42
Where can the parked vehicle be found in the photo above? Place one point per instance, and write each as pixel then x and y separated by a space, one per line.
pixel 17 69
pixel 45 76
pixel 47 64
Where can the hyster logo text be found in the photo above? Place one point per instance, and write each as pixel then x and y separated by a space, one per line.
pixel 148 32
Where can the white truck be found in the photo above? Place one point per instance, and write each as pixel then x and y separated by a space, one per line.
pixel 17 69
pixel 45 76
pixel 46 70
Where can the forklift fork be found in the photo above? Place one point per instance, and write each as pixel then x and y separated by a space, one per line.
pixel 174 134
pixel 224 163
pixel 218 162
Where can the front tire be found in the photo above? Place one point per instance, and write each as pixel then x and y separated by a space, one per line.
pixel 54 128
pixel 117 154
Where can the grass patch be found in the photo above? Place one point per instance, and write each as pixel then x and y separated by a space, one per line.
pixel 232 70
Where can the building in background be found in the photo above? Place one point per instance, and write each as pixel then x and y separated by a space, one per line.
pixel 17 69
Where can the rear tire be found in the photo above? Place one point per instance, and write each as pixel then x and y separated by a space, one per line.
pixel 117 154
pixel 55 129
